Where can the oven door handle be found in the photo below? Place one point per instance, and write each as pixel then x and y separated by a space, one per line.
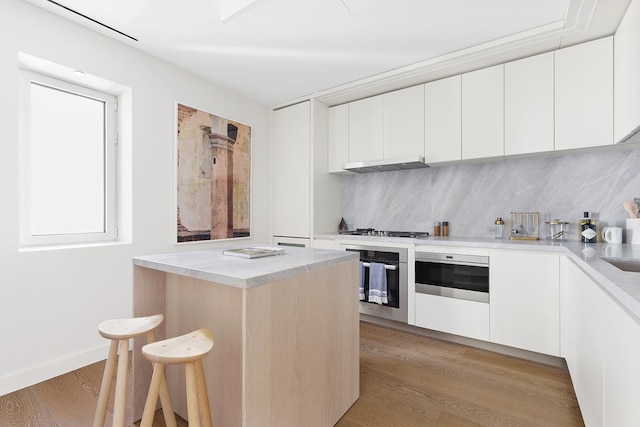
pixel 386 266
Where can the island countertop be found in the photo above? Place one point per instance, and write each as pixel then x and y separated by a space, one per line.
pixel 211 265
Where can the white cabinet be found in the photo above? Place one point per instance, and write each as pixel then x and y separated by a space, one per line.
pixel 525 300
pixel 443 120
pixel 454 316
pixel 483 113
pixel 291 167
pixel 528 105
pixel 338 138
pixel 403 118
pixel 621 367
pixel 305 199
pixel 583 339
pixel 584 95
pixel 366 129
pixel 386 126
pixel 626 69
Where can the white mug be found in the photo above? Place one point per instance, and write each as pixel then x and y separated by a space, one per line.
pixel 633 231
pixel 612 234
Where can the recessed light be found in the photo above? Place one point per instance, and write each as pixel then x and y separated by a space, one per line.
pixel 79 73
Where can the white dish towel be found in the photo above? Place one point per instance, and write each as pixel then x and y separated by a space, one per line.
pixel 377 283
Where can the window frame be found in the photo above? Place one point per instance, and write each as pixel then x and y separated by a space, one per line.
pixel 110 155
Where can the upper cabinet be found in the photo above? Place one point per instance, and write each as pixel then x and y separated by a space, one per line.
pixel 338 137
pixel 557 100
pixel 626 57
pixel 483 113
pixel 528 105
pixel 403 120
pixel 366 129
pixel 584 95
pixel 443 120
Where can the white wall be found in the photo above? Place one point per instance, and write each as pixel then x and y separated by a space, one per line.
pixel 52 301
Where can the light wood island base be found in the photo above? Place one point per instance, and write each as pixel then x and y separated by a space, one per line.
pixel 286 353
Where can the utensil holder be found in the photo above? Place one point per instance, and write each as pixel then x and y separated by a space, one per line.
pixel 524 226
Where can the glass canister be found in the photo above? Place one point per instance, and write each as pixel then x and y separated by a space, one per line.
pixel 499 228
pixel 558 230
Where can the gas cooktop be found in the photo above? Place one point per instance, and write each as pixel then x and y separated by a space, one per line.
pixel 385 233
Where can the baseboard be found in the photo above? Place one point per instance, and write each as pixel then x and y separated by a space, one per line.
pixel 557 362
pixel 29 377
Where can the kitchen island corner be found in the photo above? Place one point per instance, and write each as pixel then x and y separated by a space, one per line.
pixel 286 332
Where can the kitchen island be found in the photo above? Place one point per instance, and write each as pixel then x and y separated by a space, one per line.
pixel 285 327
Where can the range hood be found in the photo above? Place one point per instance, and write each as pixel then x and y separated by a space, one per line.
pixel 631 138
pixel 394 164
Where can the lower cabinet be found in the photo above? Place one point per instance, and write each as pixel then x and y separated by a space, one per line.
pixel 583 339
pixel 454 316
pixel 601 344
pixel 296 242
pixel 525 300
pixel 621 367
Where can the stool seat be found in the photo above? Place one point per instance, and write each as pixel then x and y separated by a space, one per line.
pixel 120 329
pixel 188 350
pixel 183 349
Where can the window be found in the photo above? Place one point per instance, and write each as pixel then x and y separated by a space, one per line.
pixel 67 163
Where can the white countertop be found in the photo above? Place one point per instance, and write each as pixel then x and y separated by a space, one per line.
pixel 212 266
pixel 623 286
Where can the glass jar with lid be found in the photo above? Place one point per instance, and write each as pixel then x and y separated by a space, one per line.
pixel 558 230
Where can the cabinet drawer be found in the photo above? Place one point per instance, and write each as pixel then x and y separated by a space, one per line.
pixel 454 316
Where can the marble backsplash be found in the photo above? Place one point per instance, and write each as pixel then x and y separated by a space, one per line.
pixel 471 196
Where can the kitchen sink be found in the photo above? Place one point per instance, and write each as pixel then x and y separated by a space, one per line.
pixel 632 266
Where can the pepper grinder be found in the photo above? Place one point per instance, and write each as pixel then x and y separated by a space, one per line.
pixel 445 228
pixel 436 229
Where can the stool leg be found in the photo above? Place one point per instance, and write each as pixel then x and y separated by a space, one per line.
pixel 203 397
pixel 152 397
pixel 121 384
pixel 192 396
pixel 105 387
pixel 165 399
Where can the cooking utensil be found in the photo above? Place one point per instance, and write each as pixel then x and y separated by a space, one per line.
pixel 631 208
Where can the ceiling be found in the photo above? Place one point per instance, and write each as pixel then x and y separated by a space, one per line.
pixel 276 51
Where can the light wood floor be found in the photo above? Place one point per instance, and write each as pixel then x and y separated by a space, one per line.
pixel 411 380
pixel 405 380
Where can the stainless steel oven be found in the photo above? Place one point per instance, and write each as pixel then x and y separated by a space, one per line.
pixel 453 275
pixel 395 267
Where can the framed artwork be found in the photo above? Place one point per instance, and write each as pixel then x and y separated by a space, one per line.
pixel 213 177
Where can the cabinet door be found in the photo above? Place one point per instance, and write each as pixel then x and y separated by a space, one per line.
pixel 621 375
pixel 338 137
pixel 403 127
pixel 528 105
pixel 525 300
pixel 583 339
pixel 290 171
pixel 584 95
pixel 626 69
pixel 365 129
pixel 443 120
pixel 483 113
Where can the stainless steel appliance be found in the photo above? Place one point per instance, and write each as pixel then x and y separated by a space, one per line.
pixel 453 275
pixel 385 233
pixel 395 265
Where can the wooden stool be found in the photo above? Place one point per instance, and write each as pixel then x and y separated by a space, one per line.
pixel 189 350
pixel 119 331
